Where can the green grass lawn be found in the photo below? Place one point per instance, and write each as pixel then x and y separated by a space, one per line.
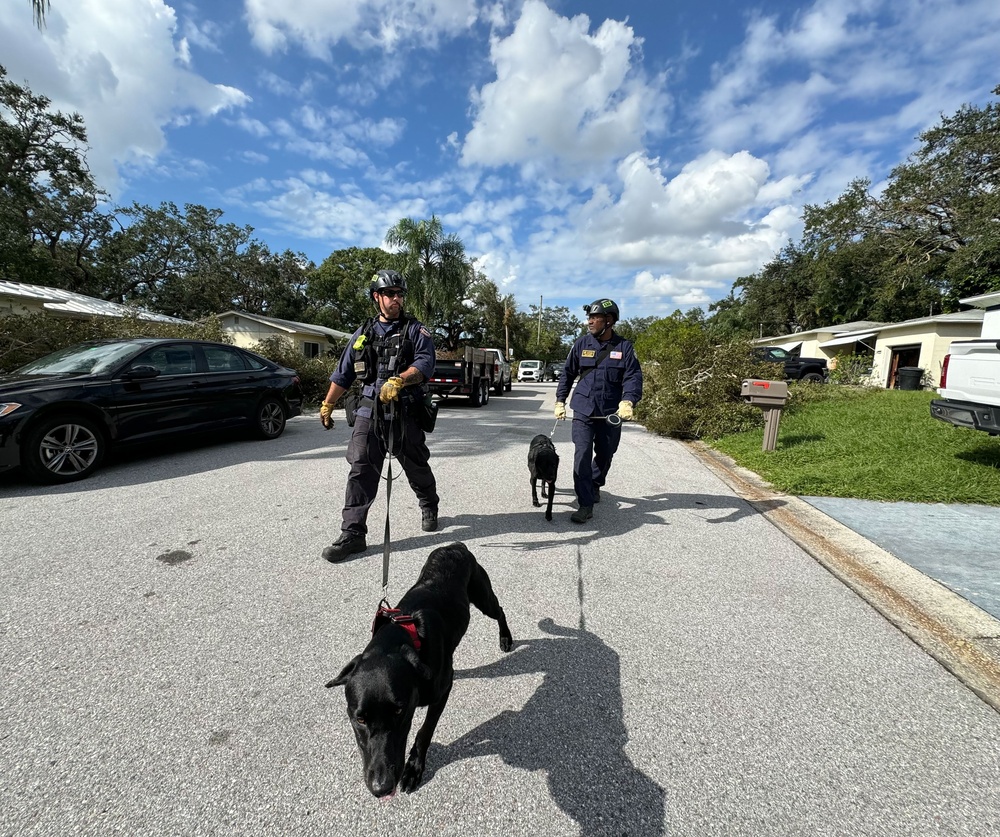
pixel 880 445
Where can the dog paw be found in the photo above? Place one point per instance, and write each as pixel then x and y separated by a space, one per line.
pixel 413 772
pixel 548 515
pixel 506 643
pixel 536 504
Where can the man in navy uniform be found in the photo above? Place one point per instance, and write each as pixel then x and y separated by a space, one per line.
pixel 393 355
pixel 610 382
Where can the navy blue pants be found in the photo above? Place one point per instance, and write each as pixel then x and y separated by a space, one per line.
pixel 595 442
pixel 366 452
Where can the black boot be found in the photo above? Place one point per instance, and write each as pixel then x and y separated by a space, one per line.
pixel 582 514
pixel 347 544
pixel 597 494
pixel 429 523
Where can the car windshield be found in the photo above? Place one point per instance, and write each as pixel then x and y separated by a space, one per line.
pixel 86 359
pixel 531 364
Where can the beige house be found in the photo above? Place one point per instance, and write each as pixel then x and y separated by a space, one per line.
pixel 311 340
pixel 23 299
pixel 922 342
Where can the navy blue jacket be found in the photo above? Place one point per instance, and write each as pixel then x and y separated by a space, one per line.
pixel 423 359
pixel 617 378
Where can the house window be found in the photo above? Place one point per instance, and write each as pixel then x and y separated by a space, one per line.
pixel 310 349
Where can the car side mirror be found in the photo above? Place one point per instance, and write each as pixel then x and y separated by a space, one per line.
pixel 141 373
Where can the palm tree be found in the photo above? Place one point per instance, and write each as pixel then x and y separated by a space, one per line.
pixel 38 10
pixel 435 267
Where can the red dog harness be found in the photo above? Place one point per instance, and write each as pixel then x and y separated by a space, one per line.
pixel 386 615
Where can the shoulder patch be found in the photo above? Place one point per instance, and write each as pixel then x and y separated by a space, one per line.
pixel 588 353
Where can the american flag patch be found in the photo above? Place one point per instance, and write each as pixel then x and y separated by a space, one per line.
pixel 615 355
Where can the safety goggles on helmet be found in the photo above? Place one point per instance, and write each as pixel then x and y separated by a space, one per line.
pixel 385 280
pixel 602 308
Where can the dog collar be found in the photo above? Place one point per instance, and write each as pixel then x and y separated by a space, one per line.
pixel 385 615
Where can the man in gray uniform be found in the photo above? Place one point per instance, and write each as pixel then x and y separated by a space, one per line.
pixel 393 355
pixel 610 382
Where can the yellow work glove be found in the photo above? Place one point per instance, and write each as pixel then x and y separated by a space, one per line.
pixel 390 390
pixel 326 415
pixel 560 410
pixel 625 410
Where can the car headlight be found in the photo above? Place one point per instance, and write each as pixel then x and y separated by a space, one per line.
pixel 8 407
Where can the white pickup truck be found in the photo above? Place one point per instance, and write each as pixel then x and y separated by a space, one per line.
pixel 970 386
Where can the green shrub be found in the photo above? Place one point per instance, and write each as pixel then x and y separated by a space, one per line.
pixel 29 337
pixel 854 370
pixel 691 387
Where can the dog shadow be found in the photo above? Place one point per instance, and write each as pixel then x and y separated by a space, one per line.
pixel 573 729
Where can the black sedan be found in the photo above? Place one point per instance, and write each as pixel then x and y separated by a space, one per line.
pixel 60 414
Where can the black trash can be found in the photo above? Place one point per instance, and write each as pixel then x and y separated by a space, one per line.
pixel 909 377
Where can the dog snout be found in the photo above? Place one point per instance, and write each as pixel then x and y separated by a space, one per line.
pixel 381 781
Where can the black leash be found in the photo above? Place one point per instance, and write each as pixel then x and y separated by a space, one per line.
pixel 388 498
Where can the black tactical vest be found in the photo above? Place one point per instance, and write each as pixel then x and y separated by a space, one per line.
pixel 386 356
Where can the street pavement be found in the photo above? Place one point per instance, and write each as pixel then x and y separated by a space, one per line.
pixel 682 665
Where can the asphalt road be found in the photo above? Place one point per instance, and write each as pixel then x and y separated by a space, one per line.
pixel 681 666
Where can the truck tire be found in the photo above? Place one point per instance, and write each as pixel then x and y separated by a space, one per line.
pixel 486 393
pixel 476 396
pixel 812 378
pixel 510 383
pixel 498 389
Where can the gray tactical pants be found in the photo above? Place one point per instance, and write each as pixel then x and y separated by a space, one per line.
pixel 367 451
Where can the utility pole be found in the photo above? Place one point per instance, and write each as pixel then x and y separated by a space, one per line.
pixel 541 307
pixel 506 329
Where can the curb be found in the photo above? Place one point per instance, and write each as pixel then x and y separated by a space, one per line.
pixel 960 636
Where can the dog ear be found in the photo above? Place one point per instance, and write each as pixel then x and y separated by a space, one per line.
pixel 345 674
pixel 413 658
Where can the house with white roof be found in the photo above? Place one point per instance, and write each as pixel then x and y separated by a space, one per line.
pixel 309 339
pixel 21 298
pixel 918 343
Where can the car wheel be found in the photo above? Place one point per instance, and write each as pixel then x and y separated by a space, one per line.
pixel 510 383
pixel 269 419
pixel 476 396
pixel 812 378
pixel 498 389
pixel 486 393
pixel 63 449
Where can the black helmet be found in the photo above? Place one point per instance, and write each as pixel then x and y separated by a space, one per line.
pixel 605 307
pixel 386 279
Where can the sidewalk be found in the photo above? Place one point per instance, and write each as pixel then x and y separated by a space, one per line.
pixel 921 567
pixel 948 542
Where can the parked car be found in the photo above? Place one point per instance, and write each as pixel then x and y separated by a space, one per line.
pixel 501 371
pixel 60 414
pixel 529 370
pixel 553 371
pixel 794 368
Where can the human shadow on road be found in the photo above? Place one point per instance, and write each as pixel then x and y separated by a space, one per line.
pixel 528 531
pixel 573 729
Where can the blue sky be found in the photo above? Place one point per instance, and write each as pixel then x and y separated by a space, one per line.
pixel 645 150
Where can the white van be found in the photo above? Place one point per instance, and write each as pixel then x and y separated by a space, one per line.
pixel 529 370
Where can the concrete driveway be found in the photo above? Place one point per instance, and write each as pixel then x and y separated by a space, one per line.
pixel 682 665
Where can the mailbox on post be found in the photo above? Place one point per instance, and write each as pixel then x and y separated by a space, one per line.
pixel 765 393
pixel 770 396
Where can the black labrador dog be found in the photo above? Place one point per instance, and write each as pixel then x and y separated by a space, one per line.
pixel 408 663
pixel 543 464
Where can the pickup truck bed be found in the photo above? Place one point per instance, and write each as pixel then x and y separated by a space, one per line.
pixel 470 373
